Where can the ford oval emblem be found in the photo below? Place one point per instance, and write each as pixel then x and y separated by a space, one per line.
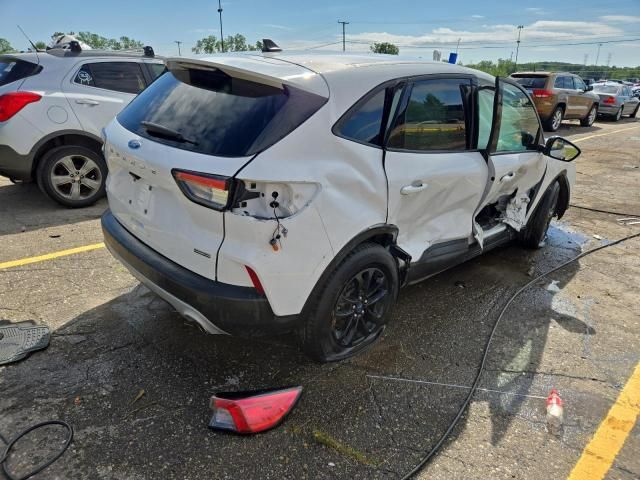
pixel 134 144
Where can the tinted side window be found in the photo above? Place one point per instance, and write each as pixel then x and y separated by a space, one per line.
pixel 559 83
pixel 117 76
pixel 579 84
pixel 363 123
pixel 568 83
pixel 519 126
pixel 13 69
pixel 434 118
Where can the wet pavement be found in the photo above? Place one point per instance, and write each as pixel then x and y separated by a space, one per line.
pixel 371 417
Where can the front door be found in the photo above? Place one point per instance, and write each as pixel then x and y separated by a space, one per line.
pixel 435 181
pixel 515 162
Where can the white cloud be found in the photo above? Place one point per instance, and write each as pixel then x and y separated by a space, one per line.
pixel 277 27
pixel 541 30
pixel 536 11
pixel 620 18
pixel 477 16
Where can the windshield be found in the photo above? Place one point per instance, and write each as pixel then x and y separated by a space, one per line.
pixel 219 114
pixel 531 82
pixel 606 88
pixel 12 69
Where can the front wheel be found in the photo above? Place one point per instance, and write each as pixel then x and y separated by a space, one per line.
pixel 73 176
pixel 590 118
pixel 353 306
pixel 535 232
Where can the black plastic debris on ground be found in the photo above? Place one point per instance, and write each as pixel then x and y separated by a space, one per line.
pixel 19 339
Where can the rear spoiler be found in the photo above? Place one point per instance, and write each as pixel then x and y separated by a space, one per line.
pixel 308 81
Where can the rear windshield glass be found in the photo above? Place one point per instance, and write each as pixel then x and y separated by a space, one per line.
pixel 217 114
pixel 531 82
pixel 605 88
pixel 12 69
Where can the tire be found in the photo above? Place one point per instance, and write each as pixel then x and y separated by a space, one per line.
pixel 590 118
pixel 535 231
pixel 73 176
pixel 328 309
pixel 635 112
pixel 555 120
pixel 618 115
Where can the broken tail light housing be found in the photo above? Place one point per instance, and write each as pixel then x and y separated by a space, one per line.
pixel 609 100
pixel 212 191
pixel 12 103
pixel 254 411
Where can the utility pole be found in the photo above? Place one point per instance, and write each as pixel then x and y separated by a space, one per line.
pixel 586 59
pixel 221 36
pixel 458 45
pixel 598 55
pixel 343 36
pixel 520 27
pixel 178 42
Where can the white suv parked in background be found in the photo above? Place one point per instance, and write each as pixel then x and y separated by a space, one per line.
pixel 274 192
pixel 53 106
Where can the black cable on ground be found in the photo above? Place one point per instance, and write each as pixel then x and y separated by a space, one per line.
pixel 485 354
pixel 39 468
pixel 603 211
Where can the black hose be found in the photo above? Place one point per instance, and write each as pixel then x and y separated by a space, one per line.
pixel 485 354
pixel 39 468
pixel 603 211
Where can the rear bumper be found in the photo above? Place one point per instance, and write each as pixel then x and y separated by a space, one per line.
pixel 608 109
pixel 217 307
pixel 15 165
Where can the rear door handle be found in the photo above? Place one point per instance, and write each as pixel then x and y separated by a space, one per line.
pixel 508 177
pixel 87 101
pixel 413 188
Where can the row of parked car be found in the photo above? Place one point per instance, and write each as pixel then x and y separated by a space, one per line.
pixel 271 192
pixel 562 96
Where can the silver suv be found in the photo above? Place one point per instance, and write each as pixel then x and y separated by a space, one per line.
pixel 53 106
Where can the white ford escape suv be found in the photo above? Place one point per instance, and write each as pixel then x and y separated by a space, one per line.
pixel 274 192
pixel 53 106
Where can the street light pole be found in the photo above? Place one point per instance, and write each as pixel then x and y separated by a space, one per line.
pixel 221 36
pixel 520 27
pixel 343 39
pixel 178 42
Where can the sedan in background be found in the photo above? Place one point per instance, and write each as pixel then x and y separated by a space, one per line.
pixel 616 100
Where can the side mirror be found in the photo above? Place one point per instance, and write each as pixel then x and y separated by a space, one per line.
pixel 561 149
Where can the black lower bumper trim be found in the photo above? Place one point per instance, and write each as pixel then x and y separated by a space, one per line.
pixel 237 310
pixel 14 165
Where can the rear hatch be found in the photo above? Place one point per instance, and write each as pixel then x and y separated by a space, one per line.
pixel 205 119
pixel 531 81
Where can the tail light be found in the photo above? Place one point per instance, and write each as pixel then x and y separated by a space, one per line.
pixel 610 100
pixel 213 191
pixel 252 412
pixel 541 93
pixel 12 103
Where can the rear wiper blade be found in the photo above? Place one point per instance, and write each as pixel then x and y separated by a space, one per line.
pixel 169 133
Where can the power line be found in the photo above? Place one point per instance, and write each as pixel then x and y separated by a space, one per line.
pixel 343 33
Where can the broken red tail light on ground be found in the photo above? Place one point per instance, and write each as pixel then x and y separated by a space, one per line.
pixel 252 412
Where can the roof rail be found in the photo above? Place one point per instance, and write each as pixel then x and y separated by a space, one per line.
pixel 75 50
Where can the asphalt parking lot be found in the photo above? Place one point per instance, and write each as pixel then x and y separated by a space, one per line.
pixel 370 417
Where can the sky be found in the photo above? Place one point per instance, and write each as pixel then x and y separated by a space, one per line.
pixel 553 31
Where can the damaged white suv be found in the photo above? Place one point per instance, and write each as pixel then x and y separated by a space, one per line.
pixel 265 193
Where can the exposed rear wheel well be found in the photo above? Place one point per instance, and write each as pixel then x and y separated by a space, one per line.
pixel 564 195
pixel 67 139
pixel 563 106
